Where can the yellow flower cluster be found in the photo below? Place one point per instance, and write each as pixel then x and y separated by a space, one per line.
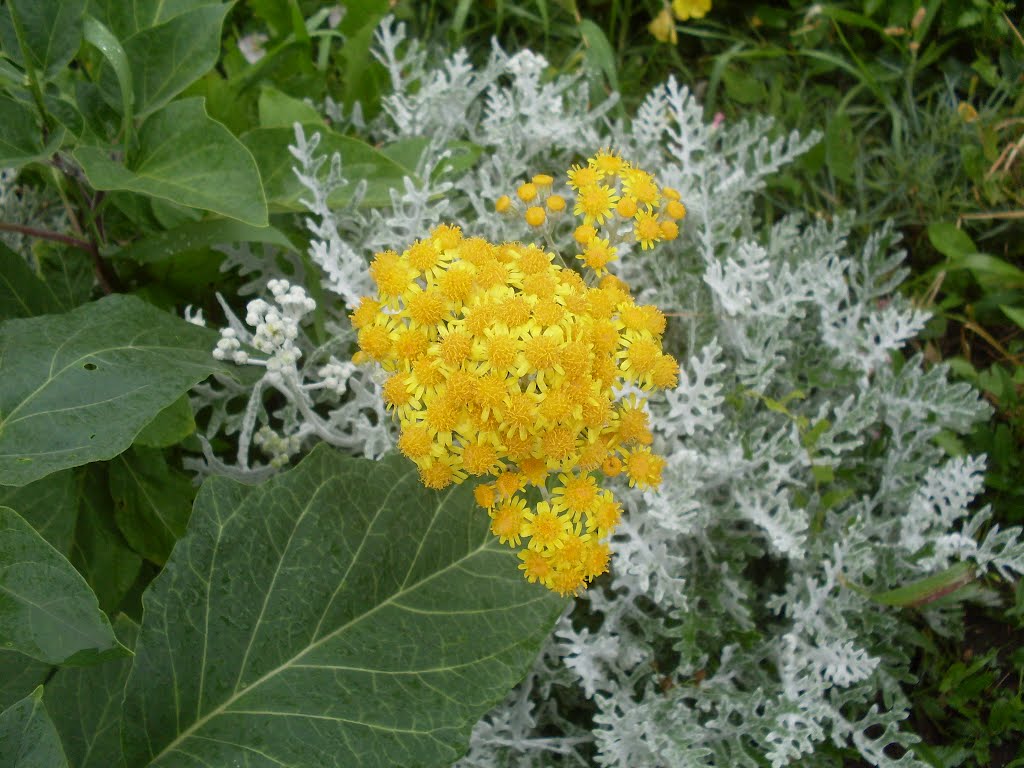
pixel 618 203
pixel 663 27
pixel 503 365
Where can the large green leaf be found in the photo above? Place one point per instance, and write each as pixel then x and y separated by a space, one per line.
pixel 50 505
pixel 22 294
pixel 172 425
pixel 164 246
pixel 52 32
pixel 277 109
pixel 185 157
pixel 21 140
pixel 126 17
pixel 100 552
pixel 359 161
pixel 85 704
pixel 19 676
pixel 165 59
pixel 27 736
pixel 68 274
pixel 47 611
pixel 152 501
pixel 339 614
pixel 79 387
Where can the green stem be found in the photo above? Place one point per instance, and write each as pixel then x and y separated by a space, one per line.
pixel 33 80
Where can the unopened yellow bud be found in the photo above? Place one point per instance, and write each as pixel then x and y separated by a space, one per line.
pixel 626 208
pixel 556 203
pixel 527 192
pixel 535 216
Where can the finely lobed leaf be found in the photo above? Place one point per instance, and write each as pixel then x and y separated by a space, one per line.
pixel 337 615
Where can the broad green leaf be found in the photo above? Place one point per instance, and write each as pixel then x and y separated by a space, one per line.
pixel 126 17
pixel 152 501
pixel 276 13
pixel 172 425
pixel 363 76
pixel 1016 314
pixel 928 589
pixel 358 161
pixel 339 609
pixel 949 240
pixel 163 246
pixel 68 274
pixel 47 611
pixel 79 387
pixel 988 268
pixel 101 122
pixel 277 109
pixel 21 140
pixel 49 505
pixel 407 153
pixel 19 676
pixel 97 35
pixel 51 29
pixel 22 294
pixel 165 59
pixel 63 109
pixel 27 736
pixel 100 552
pixel 185 157
pixel 85 705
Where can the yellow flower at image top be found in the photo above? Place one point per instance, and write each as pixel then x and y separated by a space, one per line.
pixel 690 9
pixel 506 366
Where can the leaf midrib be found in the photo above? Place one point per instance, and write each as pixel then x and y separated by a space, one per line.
pixel 237 694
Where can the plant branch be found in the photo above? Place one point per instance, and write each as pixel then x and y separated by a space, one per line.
pixel 106 279
pixel 46 234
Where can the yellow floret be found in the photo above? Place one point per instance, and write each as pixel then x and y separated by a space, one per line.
pixel 595 203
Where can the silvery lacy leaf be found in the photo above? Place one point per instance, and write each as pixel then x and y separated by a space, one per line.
pixel 338 615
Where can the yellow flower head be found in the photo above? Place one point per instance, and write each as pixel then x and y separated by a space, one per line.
pixel 690 9
pixel 504 365
pixel 663 27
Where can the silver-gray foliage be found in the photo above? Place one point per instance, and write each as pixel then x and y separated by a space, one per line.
pixel 804 474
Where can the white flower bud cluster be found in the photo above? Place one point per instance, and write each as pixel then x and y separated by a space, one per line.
pixel 276 328
pixel 229 348
pixel 279 448
pixel 335 375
